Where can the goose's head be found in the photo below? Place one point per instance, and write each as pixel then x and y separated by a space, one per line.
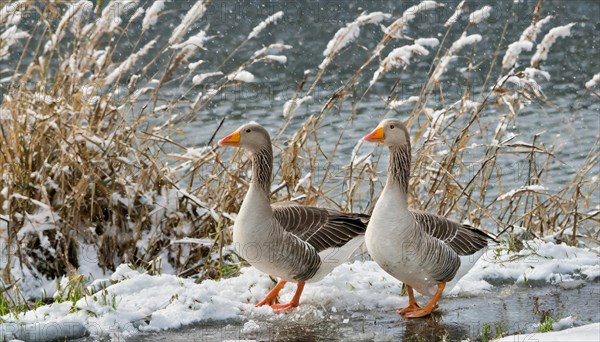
pixel 390 132
pixel 250 136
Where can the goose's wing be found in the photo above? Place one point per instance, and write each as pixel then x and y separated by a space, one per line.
pixel 321 228
pixel 462 238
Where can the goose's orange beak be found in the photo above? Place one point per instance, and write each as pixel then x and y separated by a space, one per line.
pixel 375 136
pixel 232 139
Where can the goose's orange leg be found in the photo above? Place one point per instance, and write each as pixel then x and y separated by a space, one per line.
pixel 271 297
pixel 294 302
pixel 426 310
pixel 412 303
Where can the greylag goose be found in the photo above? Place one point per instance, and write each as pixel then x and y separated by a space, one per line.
pixel 422 250
pixel 287 240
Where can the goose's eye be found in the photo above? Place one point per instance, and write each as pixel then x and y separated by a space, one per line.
pixel 248 130
pixel 391 126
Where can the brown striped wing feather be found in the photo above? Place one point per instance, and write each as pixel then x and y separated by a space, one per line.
pixel 462 238
pixel 319 227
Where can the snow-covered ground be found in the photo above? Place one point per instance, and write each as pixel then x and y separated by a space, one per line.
pixel 589 332
pixel 133 302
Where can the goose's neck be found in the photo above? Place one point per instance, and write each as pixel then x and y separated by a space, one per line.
pixel 399 171
pixel 262 166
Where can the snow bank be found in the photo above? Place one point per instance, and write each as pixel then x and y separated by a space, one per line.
pixel 136 302
pixel 539 263
pixel 590 332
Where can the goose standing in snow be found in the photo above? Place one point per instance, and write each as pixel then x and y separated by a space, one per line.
pixel 422 250
pixel 290 241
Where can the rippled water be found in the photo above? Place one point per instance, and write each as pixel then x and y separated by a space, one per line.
pixel 571 128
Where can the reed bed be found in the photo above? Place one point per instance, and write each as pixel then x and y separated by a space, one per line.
pixel 91 172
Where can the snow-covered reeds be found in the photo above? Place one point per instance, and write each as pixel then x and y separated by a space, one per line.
pixel 192 45
pixel 242 76
pixel 110 18
pixel 128 63
pixel 513 51
pixel 265 49
pixel 198 79
pixel 531 32
pixel 274 58
pixel 152 13
pixel 73 11
pixel 395 29
pixel 526 41
pixel 9 38
pixel 263 24
pixel 480 15
pixel 465 39
pixel 458 11
pixel 398 57
pixel 10 13
pixel 194 14
pixel 594 81
pixel 550 38
pixel 451 54
pixel 348 34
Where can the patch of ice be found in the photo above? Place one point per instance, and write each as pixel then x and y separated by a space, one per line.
pixel 563 323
